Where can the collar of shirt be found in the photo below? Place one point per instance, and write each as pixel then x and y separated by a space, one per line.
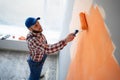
pixel 36 34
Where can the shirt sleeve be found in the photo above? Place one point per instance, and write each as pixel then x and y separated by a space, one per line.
pixel 51 48
pixel 39 46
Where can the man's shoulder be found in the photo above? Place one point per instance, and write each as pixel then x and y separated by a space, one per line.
pixel 29 35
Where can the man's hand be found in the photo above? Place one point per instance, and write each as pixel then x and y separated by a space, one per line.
pixel 69 38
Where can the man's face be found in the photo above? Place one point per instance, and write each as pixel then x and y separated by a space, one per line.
pixel 37 27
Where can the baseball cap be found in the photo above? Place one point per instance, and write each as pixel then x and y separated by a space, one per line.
pixel 30 21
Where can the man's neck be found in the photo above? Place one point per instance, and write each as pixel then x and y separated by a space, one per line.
pixel 36 31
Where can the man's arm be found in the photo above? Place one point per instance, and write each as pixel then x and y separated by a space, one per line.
pixel 58 46
pixel 38 46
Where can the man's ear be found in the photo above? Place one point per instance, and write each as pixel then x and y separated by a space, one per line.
pixel 30 29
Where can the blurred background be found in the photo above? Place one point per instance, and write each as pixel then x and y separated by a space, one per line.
pixel 13 14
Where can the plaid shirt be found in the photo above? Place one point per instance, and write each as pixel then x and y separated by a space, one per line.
pixel 38 46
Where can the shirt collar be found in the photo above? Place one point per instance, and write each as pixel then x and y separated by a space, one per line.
pixel 36 34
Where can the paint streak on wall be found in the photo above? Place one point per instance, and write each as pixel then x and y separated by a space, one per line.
pixel 93 59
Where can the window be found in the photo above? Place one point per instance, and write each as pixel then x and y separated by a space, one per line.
pixel 14 12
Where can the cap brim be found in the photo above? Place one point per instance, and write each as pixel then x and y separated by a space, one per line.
pixel 38 18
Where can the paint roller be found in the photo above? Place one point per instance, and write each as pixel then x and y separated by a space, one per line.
pixel 84 24
pixel 83 20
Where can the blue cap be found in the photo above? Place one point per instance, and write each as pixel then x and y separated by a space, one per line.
pixel 30 21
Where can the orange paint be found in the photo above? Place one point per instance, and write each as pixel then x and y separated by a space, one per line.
pixel 94 58
pixel 83 20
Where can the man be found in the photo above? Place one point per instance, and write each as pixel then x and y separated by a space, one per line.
pixel 38 47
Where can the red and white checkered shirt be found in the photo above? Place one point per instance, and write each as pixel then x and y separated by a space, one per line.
pixel 38 46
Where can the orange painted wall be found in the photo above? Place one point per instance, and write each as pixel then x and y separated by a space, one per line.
pixel 93 59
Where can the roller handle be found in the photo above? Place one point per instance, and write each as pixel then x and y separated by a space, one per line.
pixel 76 31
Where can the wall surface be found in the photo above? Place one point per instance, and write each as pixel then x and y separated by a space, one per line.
pixel 112 20
pixel 95 53
pixel 64 56
pixel 13 45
